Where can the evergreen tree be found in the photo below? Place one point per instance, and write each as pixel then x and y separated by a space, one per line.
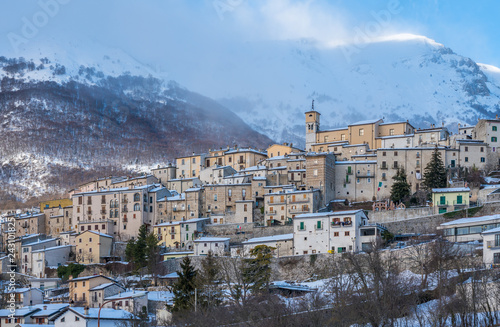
pixel 209 281
pixel 435 172
pixel 401 189
pixel 185 287
pixel 152 252
pixel 257 270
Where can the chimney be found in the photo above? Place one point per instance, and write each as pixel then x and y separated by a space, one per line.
pixel 86 310
pixel 44 307
pixel 458 125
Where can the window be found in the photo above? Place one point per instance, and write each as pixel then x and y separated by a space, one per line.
pixel 315 172
pixel 215 197
pixel 442 200
pixel 391 131
pixel 318 224
pixel 361 131
pixel 494 128
pixel 183 162
pixel 342 137
pixel 395 153
pixel 137 207
pixel 395 164
pixel 466 149
pixel 346 233
pixel 493 139
pixel 90 241
pixel 482 149
pixel 483 159
pixel 194 160
pixel 466 159
pixel 301 226
pixel 335 234
pixel 459 199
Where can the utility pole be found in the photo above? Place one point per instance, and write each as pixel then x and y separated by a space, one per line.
pixel 195 298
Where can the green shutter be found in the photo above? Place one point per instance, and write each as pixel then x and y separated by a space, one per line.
pixel 318 224
pixel 349 169
pixel 301 225
pixel 459 199
pixel 442 200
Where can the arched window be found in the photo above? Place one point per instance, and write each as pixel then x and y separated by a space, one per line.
pixel 137 206
pixel 137 197
pixel 116 213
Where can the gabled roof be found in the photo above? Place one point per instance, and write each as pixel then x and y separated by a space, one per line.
pixel 96 233
pixel 105 285
pixel 90 277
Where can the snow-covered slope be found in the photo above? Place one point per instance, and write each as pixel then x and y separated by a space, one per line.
pixel 399 78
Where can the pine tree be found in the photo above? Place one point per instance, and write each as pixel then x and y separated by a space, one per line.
pixel 209 280
pixel 401 189
pixel 435 172
pixel 257 270
pixel 152 252
pixel 185 287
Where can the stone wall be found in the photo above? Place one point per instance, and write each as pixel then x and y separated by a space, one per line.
pixel 386 216
pixel 247 231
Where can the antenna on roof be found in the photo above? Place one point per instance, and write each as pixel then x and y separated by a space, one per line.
pixel 312 106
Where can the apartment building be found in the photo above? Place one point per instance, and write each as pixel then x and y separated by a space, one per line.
pixel 58 219
pixel 283 206
pixel 169 234
pixel 237 158
pixel 49 257
pixel 30 223
pixel 27 250
pixel 80 288
pixel 320 174
pixel 127 208
pixel 164 173
pixel 190 166
pixel 355 180
pixel 93 247
pixel 284 149
pixel 334 232
pixel 221 199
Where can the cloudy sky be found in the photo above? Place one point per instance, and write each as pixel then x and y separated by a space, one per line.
pixel 150 28
pixel 193 34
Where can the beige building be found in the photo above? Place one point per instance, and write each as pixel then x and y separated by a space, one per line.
pixel 93 247
pixel 488 130
pixel 284 149
pixel 179 185
pixel 58 220
pixel 282 207
pixel 127 208
pixel 169 234
pixel 221 199
pixel 30 223
pixel 79 288
pixel 355 180
pixel 190 166
pixel 164 173
pixel 215 174
pixel 476 153
pixel 320 174
pixel 238 158
pixel 182 206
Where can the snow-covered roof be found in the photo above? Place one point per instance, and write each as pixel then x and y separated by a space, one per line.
pixel 40 242
pixel 450 190
pixel 245 150
pixel 169 223
pixel 259 178
pixel 90 277
pixel 131 294
pixel 273 238
pixel 366 122
pixel 52 248
pixel 212 239
pixel 193 189
pixel 49 309
pixel 103 286
pixel 23 290
pixel 106 313
pixel 162 296
pixel 356 162
pixel 277 158
pixel 472 220
pixel 394 123
pixel 330 213
pixel 22 312
pixel 194 220
pixel 177 197
pixel 97 233
pixel 492 231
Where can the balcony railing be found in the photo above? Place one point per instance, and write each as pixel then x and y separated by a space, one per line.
pixel 299 201
pixel 301 210
pixel 276 202
pixel 341 223
pixel 103 212
pixel 384 167
pixel 271 212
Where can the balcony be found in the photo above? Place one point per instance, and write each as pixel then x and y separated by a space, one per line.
pixel 103 212
pixel 492 245
pixel 384 167
pixel 276 202
pixel 443 203
pixel 300 201
pixel 341 223
pixel 124 209
pixel 395 167
pixel 273 212
pixel 124 200
pixel 103 201
pixel 362 175
pixel 89 212
pixel 299 211
pixel 125 220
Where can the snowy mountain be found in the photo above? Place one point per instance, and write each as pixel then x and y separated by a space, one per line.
pixel 398 78
pixel 63 123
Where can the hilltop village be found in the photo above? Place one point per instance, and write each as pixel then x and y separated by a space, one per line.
pixel 334 197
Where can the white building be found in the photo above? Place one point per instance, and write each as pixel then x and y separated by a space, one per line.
pixel 469 229
pixel 27 249
pixel 190 229
pixel 218 245
pixel 26 296
pixel 49 257
pixel 81 317
pixel 491 247
pixel 131 301
pixel 333 232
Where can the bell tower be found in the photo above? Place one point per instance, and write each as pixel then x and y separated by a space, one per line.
pixel 312 127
